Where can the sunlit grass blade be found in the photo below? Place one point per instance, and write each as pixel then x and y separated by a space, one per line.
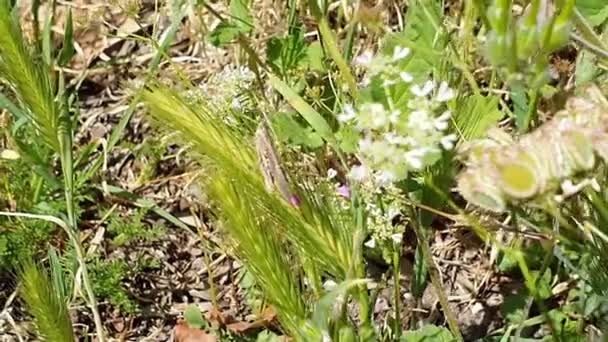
pixel 314 119
pixel 30 81
pixel 46 303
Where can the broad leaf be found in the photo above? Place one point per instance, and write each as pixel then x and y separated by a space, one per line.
pixel 595 11
pixel 193 317
pixel 428 333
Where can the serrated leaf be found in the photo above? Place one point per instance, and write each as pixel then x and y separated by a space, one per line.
pixel 286 53
pixel 423 35
pixel 475 115
pixel 428 333
pixel 595 11
pixel 194 317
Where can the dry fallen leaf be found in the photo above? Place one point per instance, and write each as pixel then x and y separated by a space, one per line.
pixel 268 316
pixel 183 333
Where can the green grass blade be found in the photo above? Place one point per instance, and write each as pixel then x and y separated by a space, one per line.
pixel 334 52
pixel 314 119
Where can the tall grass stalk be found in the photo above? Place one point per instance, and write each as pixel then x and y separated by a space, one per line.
pixel 32 84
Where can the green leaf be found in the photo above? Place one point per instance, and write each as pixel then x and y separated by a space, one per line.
pixel 323 309
pixel 289 130
pixel 314 119
pixel 595 11
pixel 240 22
pixel 421 271
pixel 67 50
pixel 348 138
pixel 268 336
pixel 428 333
pixel 425 37
pixel 241 16
pixel 475 115
pixel 513 308
pixel 194 318
pixel 315 56
pixel 284 54
pixel 544 285
pixel 224 33
pixel 520 105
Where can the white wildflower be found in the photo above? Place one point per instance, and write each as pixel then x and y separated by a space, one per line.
pixel 236 104
pixel 364 59
pixel 400 53
pixel 331 173
pixel 393 117
pixel 329 285
pixel 385 177
pixel 445 93
pixel 348 115
pixel 359 173
pixel 406 77
pixel 423 91
pixel 397 238
pixel 442 122
pixel 448 141
pixel 388 83
pixel 415 158
pixel 396 139
pixel 365 144
pixel 371 243
pixel 419 120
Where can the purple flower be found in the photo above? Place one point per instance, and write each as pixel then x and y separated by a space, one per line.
pixel 294 200
pixel 344 191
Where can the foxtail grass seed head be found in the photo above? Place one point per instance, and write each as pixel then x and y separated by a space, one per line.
pixel 544 162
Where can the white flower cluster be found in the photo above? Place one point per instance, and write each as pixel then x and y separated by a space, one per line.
pixel 225 89
pixel 381 215
pixel 395 141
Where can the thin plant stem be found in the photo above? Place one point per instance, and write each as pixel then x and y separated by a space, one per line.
pixel 360 269
pixel 434 274
pixel 331 45
pixel 396 292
